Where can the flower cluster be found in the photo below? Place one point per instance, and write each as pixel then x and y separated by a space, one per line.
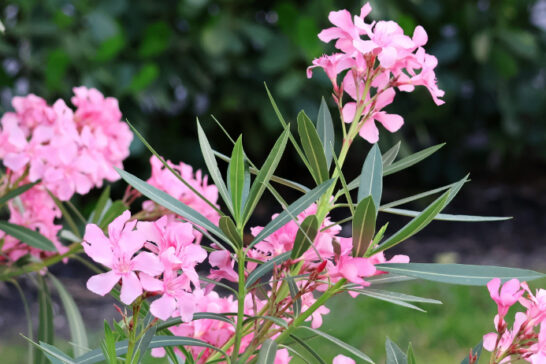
pixel 69 151
pixel 522 340
pixel 158 259
pixel 385 59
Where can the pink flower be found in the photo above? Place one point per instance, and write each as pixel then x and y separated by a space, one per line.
pixel 354 269
pixel 221 259
pixel 507 296
pixel 117 252
pixel 385 58
pixel 342 359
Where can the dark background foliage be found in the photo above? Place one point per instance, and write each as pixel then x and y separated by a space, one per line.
pixel 170 61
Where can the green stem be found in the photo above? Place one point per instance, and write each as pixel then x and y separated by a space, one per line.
pixel 304 315
pixel 240 303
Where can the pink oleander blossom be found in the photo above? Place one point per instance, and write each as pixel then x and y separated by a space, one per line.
pixel 70 151
pixel 378 57
pixel 118 252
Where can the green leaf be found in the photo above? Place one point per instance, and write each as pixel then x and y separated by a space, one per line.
pixel 313 148
pixel 410 355
pixel 340 343
pixel 265 173
pixel 286 126
pixel 143 343
pixel 237 177
pixel 171 203
pixel 55 355
pixel 363 226
pixel 28 317
pixel 447 217
pixel 27 236
pixel 470 275
pixel 196 316
pixel 75 322
pixel 305 236
pixel 476 352
pixel 265 268
pixel 294 352
pixel 212 166
pixel 172 170
pixel 394 354
pixel 267 352
pixel 417 196
pixel 371 178
pixel 46 332
pixel 390 155
pixel 411 160
pixel 228 228
pixel 116 209
pixel 325 130
pixel 16 192
pixel 276 320
pixel 379 236
pixel 396 297
pixel 309 349
pixel 283 181
pixel 108 345
pixel 291 212
pixel 97 356
pixel 387 278
pixel 415 225
pixel 294 290
pixel 96 215
pixel 387 298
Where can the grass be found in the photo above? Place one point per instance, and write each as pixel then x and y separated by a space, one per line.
pixel 444 334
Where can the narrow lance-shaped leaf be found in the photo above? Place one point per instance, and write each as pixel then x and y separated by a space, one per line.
pixel 402 163
pixel 411 160
pixel 390 155
pixel 99 207
pixel 387 298
pixel 45 323
pixel 115 209
pixel 294 290
pixel 309 349
pixel 305 236
pixel 266 267
pixel 264 175
pixel 286 125
pixel 283 181
pixel 421 220
pixel 394 354
pixel 314 151
pixel 447 217
pixel 325 130
pixel 171 203
pixel 75 322
pixel 464 274
pixel 363 226
pixel 371 178
pixel 341 344
pixel 212 166
pixel 228 228
pixel 16 192
pixel 292 211
pixel 267 352
pixel 410 355
pixel 97 356
pixel 27 236
pixel 237 177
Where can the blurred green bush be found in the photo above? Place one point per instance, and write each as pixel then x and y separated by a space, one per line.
pixel 168 61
